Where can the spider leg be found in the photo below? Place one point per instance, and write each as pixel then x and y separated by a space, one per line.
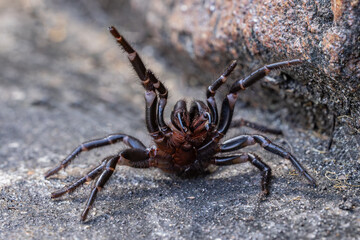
pixel 137 158
pixel 86 146
pixel 133 57
pixel 92 174
pixel 228 104
pixel 254 160
pixel 247 140
pixel 242 122
pixel 211 91
pixel 154 113
pixel 103 178
pixel 151 84
pixel 163 95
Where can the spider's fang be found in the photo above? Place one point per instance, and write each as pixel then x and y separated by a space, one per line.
pixel 208 117
pixel 181 123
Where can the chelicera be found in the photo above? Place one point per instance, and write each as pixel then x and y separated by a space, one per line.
pixel 191 142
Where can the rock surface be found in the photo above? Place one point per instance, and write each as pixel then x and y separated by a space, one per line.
pixel 324 33
pixel 63 81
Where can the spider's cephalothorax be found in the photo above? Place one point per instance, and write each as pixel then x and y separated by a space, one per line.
pixel 191 142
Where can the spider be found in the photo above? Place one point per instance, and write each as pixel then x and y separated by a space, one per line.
pixel 191 142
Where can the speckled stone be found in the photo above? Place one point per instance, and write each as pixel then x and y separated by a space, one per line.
pixel 324 33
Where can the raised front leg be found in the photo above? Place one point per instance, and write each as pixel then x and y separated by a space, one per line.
pixel 211 91
pixel 254 160
pixel 228 104
pixel 87 146
pixel 154 111
pixel 163 95
pixel 247 140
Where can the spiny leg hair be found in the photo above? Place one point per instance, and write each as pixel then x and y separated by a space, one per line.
pixel 149 81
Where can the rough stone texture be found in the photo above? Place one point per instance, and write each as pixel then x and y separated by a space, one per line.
pixel 63 80
pixel 324 33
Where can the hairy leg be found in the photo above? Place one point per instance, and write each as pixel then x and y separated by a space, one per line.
pixel 92 174
pixel 211 91
pixel 86 146
pixel 228 104
pixel 137 158
pixel 247 140
pixel 154 119
pixel 108 170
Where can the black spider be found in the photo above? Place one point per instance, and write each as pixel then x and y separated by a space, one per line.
pixel 191 142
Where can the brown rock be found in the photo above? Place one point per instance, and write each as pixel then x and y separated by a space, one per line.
pixel 325 33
